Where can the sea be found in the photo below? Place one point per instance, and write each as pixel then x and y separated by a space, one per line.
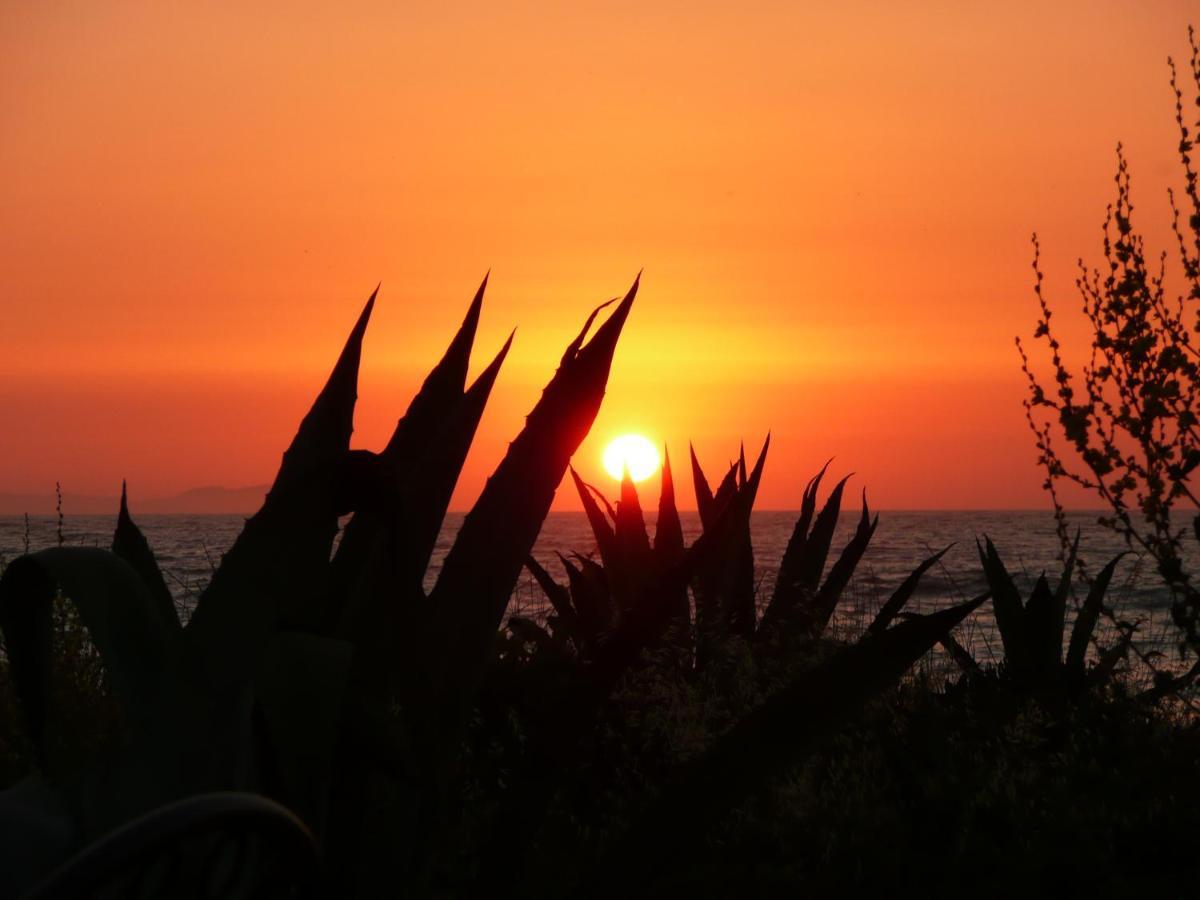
pixel 189 547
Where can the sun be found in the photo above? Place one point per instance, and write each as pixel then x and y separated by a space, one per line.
pixel 633 452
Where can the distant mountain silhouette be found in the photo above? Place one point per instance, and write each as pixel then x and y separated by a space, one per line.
pixel 209 500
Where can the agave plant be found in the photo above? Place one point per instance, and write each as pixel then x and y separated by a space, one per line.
pixel 335 685
pixel 605 600
pixel 637 598
pixel 1032 631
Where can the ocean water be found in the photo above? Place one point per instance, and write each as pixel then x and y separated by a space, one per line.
pixel 188 547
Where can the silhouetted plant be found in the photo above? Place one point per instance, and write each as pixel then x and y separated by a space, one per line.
pixel 337 686
pixel 1032 631
pixel 1129 414
pixel 631 608
pixel 637 594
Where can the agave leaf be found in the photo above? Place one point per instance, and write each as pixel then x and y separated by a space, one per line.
pixel 591 602
pixel 904 593
pixel 559 596
pixel 668 532
pixel 961 656
pixel 1085 619
pixel 482 567
pixel 438 421
pixel 440 391
pixel 788 592
pixel 645 623
pixel 275 573
pixel 1006 603
pixel 769 739
pixel 704 494
pixel 602 529
pixel 668 552
pixel 432 484
pixel 324 433
pixel 630 524
pixel 1043 638
pixel 1063 591
pixel 724 575
pixel 816 550
pixel 131 545
pixel 840 573
pixel 649 618
pixel 633 565
pixel 742 613
pixel 573 348
pixel 123 622
pixel 726 491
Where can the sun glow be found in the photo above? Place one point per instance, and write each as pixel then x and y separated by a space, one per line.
pixel 633 452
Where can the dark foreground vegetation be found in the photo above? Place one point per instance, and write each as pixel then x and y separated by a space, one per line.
pixel 667 726
pixel 670 728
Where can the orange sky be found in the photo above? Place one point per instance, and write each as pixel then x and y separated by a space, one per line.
pixel 832 204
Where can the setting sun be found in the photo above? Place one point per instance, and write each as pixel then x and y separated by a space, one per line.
pixel 633 452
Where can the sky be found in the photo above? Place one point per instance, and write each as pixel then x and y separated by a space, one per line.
pixel 832 203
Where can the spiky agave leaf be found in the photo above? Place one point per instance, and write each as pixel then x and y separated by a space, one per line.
pixel 378 597
pixel 632 539
pixel 650 617
pixel 591 601
pixel 429 417
pixel 441 389
pixel 479 572
pixel 1008 609
pixel 602 525
pixel 704 494
pixel 275 574
pixel 436 474
pixel 1043 635
pixel 724 576
pixel 668 552
pixel 725 492
pixel 559 597
pixel 903 594
pixel 668 531
pixel 324 432
pixel 803 561
pixel 131 545
pixel 816 549
pixel 840 573
pixel 961 656
pixel 794 552
pixel 1086 618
